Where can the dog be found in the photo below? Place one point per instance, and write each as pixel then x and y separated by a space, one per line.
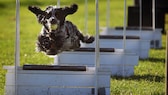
pixel 58 34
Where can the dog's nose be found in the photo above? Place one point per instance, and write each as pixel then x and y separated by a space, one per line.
pixel 53 21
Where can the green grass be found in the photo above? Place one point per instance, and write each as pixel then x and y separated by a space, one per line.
pixel 166 24
pixel 149 78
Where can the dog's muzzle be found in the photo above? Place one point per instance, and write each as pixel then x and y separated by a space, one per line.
pixel 53 23
pixel 53 26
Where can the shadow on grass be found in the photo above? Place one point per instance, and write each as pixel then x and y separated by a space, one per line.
pixel 157 93
pixel 155 60
pixel 147 77
pixel 162 48
pixel 2 5
pixel 34 2
pixel 9 4
pixel 52 2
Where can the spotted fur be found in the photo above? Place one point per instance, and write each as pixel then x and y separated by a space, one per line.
pixel 57 34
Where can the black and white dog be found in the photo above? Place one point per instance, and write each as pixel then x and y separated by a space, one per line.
pixel 57 34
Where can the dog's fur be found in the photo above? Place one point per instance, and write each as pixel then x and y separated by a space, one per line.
pixel 57 34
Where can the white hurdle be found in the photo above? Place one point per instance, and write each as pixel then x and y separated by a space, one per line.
pixel 140 46
pixel 115 61
pixel 49 82
pixel 136 47
pixel 152 34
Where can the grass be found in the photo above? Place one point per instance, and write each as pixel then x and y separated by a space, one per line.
pixel 149 78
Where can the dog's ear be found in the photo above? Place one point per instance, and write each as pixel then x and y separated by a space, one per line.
pixel 36 10
pixel 70 10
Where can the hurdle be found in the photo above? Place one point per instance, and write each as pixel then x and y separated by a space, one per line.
pixel 121 61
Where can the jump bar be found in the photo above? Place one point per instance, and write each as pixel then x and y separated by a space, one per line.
pixel 90 49
pixel 118 37
pixel 134 28
pixel 54 67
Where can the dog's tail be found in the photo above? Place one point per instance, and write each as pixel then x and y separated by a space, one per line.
pixel 85 39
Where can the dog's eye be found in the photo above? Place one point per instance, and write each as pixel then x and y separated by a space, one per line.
pixel 48 15
pixel 56 14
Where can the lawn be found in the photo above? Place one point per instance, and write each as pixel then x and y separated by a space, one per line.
pixel 149 77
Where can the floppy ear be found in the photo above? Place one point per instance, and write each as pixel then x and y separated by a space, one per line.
pixel 36 10
pixel 70 10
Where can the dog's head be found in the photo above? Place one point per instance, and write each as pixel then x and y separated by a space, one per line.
pixel 52 17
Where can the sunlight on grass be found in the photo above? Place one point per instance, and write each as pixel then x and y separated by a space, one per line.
pixel 166 22
pixel 149 76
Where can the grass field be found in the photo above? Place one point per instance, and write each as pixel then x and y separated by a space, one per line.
pixel 149 78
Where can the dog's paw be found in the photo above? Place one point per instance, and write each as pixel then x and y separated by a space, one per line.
pixel 51 52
